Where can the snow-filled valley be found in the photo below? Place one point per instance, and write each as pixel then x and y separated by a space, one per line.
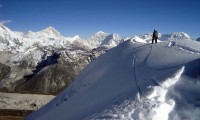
pixel 133 81
pixel 120 78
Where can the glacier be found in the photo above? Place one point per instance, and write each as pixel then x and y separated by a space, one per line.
pixel 133 81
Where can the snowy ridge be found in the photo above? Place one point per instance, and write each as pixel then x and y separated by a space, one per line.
pixel 184 48
pixel 132 81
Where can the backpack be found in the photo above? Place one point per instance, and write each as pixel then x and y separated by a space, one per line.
pixel 155 34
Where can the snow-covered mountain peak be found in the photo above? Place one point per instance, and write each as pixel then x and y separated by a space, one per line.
pixel 176 36
pixel 76 37
pixel 100 33
pixel 8 36
pixel 51 30
pixel 51 36
pixel 181 34
pixel 115 36
pixel 102 39
pixel 73 39
pixel 145 36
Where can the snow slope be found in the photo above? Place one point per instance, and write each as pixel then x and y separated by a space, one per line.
pixel 133 81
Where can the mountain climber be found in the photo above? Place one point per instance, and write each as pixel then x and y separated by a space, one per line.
pixel 155 36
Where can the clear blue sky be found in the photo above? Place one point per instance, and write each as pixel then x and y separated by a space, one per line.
pixel 85 17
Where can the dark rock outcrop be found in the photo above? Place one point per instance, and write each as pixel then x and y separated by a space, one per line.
pixel 50 80
pixel 4 71
pixel 198 39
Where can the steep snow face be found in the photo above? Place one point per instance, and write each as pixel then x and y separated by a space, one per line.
pixel 133 81
pixel 48 36
pixel 6 34
pixel 51 31
pixel 97 39
pixel 111 40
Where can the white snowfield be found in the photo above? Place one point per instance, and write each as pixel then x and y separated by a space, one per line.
pixel 133 81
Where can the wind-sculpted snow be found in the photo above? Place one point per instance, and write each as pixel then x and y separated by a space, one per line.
pixel 170 58
pixel 132 81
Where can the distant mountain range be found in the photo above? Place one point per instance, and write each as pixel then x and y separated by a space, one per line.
pixel 52 37
pixel 22 53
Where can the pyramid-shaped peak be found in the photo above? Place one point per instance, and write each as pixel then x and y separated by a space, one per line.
pixel 50 30
pixel 99 33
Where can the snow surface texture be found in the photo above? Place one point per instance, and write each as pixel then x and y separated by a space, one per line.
pixel 23 101
pixel 133 81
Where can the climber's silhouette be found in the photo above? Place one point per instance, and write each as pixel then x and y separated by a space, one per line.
pixel 155 36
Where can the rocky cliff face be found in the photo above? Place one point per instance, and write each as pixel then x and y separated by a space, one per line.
pixel 50 80
pixel 51 75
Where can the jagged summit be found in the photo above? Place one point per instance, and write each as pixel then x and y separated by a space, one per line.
pixel 112 40
pixel 176 36
pixel 51 36
pixel 181 34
